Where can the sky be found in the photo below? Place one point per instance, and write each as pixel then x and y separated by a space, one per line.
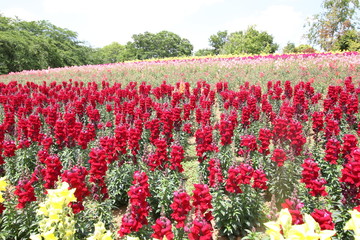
pixel 101 22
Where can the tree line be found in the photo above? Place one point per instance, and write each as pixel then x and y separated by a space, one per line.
pixel 40 44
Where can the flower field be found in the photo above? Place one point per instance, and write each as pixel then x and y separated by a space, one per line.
pixel 186 148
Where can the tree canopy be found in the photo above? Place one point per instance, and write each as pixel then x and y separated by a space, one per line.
pixel 337 18
pixel 251 41
pixel 38 45
pixel 159 45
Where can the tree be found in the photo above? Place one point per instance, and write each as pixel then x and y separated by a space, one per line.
pixel 302 48
pixel 38 45
pixel 218 40
pixel 327 27
pixel 112 53
pixel 349 41
pixel 204 52
pixel 160 45
pixel 251 41
pixel 289 48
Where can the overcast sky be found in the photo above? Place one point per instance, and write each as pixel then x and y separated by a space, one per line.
pixel 101 22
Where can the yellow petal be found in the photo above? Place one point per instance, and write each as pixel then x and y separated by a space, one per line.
pixel 285 220
pixel 273 230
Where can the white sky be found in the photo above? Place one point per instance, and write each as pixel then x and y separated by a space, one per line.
pixel 101 22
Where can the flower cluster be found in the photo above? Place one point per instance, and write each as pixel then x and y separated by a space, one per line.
pixel 245 174
pixel 98 168
pixel 100 233
pixel 201 229
pixel 3 185
pixel 162 228
pixel 25 193
pixel 181 207
pixel 75 177
pixel 279 156
pixel 310 176
pixel 323 218
pixel 57 219
pixel 134 220
pixel 215 174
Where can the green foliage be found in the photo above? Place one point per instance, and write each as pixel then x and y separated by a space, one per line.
pixel 251 41
pixel 326 28
pixel 18 224
pixel 218 40
pixel 289 48
pixel 93 213
pixel 119 181
pixel 302 48
pixel 112 53
pixel 204 52
pixel 160 45
pixel 349 41
pixel 235 214
pixel 38 45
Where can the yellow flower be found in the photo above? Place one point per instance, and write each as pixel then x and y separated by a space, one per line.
pixel 3 184
pixel 36 237
pixel 273 230
pixel 100 233
pixel 310 230
pixel 49 236
pixel 354 223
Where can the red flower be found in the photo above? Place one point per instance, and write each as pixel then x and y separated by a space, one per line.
pixel 323 217
pixel 247 145
pixel 201 230
pixel 76 179
pixel 265 136
pixel 279 156
pixel 332 150
pixel 139 207
pixel 25 192
pixel 177 156
pixel 52 171
pixel 294 209
pixel 98 168
pixel 350 143
pixel 181 207
pixel 310 176
pixel 162 228
pixel 202 200
pixel 215 176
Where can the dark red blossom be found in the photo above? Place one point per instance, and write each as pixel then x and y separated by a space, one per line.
pixel 201 229
pixel 279 156
pixel 181 207
pixel 324 218
pixel 310 176
pixel 162 228
pixel 332 150
pixel 25 193
pixel 215 174
pixel 294 207
pixel 52 171
pixel 76 179
pixel 265 136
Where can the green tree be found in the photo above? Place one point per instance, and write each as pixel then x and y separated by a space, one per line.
pixel 204 52
pixel 37 45
pixel 289 48
pixel 112 53
pixel 326 28
pixel 349 41
pixel 251 41
pixel 218 40
pixel 160 45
